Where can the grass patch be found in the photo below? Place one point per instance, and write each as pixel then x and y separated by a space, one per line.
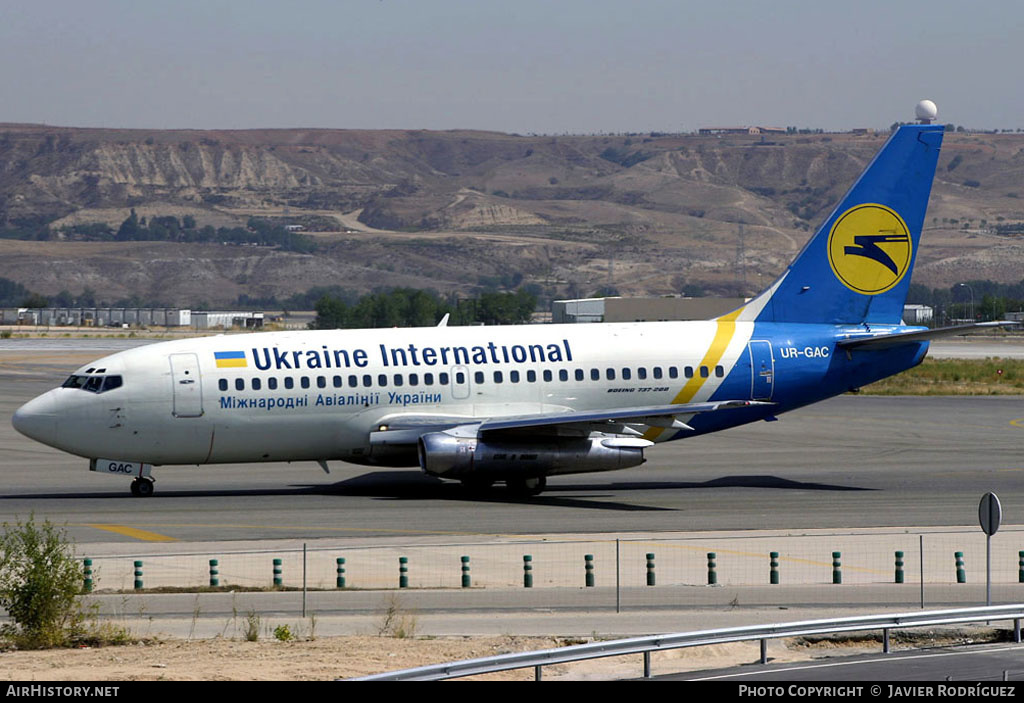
pixel 955 377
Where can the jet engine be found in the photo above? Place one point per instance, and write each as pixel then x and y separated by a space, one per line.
pixel 448 456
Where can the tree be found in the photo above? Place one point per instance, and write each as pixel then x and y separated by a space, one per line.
pixel 39 581
pixel 129 229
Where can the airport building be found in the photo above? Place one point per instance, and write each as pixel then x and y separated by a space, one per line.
pixel 674 308
pixel 917 314
pixel 129 317
pixel 641 309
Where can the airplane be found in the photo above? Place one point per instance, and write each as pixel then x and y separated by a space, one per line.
pixel 517 404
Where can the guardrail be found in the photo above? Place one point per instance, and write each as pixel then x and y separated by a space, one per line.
pixel 658 643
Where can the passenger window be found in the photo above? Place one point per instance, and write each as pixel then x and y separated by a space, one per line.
pixel 478 377
pixel 579 374
pixel 321 382
pixel 626 374
pixel 428 379
pixel 442 378
pixel 641 373
pixel 111 383
pixel 704 372
pixel 337 380
pixel 513 376
pixel 688 372
pixel 398 379
pixel 531 376
pixel 547 375
pixel 460 377
pixel 289 382
pixel 609 374
pixel 595 374
pixel 414 379
pixel 222 384
pixel 256 384
pixel 239 384
pixel 353 381
pixel 382 379
pixel 657 372
pixel 304 381
pixel 272 383
pixel 673 372
pixel 367 380
pixel 719 371
pixel 563 375
pixel 498 377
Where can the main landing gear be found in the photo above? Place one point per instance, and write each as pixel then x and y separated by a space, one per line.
pixel 526 487
pixel 142 487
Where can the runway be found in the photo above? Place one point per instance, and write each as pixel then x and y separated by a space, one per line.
pixel 854 461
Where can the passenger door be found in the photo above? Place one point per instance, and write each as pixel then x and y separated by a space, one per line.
pixel 187 385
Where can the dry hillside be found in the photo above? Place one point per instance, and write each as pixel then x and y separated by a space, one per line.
pixel 644 214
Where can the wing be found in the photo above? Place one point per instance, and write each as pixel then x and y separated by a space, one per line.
pixel 406 429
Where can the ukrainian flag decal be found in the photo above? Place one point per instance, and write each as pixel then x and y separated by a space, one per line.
pixel 231 360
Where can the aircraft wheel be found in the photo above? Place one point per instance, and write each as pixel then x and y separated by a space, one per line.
pixel 142 487
pixel 526 487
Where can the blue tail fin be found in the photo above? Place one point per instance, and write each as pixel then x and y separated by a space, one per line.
pixel 857 267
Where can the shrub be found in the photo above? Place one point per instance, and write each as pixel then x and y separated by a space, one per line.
pixel 39 581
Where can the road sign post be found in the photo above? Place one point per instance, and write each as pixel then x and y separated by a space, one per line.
pixel 990 515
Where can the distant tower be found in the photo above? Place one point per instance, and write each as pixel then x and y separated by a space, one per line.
pixel 926 112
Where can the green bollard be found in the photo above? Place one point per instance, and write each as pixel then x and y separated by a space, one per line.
pixel 87 584
pixel 899 567
pixel 712 574
pixel 278 578
pixel 1020 567
pixel 403 572
pixel 588 561
pixel 527 571
pixel 650 569
pixel 341 572
pixel 138 575
pixel 961 571
pixel 837 573
pixel 214 574
pixel 466 583
pixel 773 574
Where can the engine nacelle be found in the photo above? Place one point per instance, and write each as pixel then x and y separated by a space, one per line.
pixel 445 455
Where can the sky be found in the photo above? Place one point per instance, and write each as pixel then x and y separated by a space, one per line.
pixel 522 66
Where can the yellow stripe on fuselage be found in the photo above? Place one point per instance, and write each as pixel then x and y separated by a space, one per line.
pixel 232 364
pixel 723 335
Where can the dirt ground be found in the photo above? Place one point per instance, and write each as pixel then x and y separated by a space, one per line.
pixel 328 658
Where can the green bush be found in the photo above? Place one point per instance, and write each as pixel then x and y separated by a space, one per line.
pixel 39 581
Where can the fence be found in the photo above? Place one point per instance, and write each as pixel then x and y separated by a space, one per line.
pixel 608 571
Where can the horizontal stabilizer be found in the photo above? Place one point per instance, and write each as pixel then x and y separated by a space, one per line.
pixel 892 339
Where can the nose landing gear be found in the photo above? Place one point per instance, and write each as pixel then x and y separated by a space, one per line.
pixel 142 487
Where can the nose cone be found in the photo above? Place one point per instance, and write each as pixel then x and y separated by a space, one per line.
pixel 37 419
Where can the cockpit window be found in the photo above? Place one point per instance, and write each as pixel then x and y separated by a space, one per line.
pixel 111 383
pixel 74 382
pixel 93 384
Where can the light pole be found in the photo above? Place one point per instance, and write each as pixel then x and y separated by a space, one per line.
pixel 971 291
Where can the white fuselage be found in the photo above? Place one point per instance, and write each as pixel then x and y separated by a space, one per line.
pixel 317 395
